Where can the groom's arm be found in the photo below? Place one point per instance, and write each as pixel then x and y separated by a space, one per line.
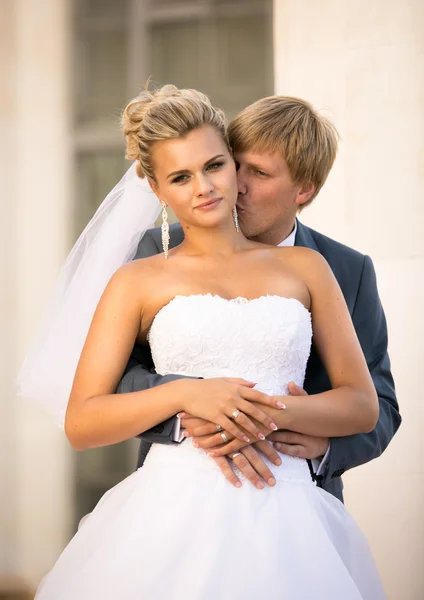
pixel 140 375
pixel 351 451
pixel 370 325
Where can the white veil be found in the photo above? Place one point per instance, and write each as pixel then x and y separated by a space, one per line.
pixel 109 241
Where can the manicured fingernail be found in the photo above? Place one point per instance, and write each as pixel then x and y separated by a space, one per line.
pixel 238 484
pixel 260 485
pixel 261 436
pixel 186 434
pixel 246 439
pixel 278 462
pixel 211 453
pixel 273 426
pixel 196 444
pixel 272 481
pixel 181 415
pixel 281 405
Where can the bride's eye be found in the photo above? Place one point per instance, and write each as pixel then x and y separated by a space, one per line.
pixel 215 166
pixel 180 179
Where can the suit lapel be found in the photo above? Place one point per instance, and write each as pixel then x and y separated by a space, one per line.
pixel 304 237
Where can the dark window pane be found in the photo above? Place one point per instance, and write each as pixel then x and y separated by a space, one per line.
pixel 117 9
pixel 242 50
pixel 98 470
pixel 176 55
pixel 101 76
pixel 97 173
pixel 244 61
pixel 173 3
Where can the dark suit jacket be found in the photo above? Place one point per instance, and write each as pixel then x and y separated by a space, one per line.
pixel 356 276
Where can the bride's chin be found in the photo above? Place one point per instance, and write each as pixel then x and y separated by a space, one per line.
pixel 214 219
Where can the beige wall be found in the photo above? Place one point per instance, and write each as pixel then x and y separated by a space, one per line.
pixel 363 63
pixel 8 515
pixel 36 498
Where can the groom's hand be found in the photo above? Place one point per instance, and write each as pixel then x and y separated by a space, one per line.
pixel 196 427
pixel 248 460
pixel 299 444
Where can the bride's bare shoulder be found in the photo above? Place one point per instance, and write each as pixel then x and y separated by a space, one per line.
pixel 151 265
pixel 303 261
pixel 138 277
pixel 155 262
pixel 299 254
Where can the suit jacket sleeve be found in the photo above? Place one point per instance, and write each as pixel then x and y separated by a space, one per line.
pixel 370 324
pixel 140 374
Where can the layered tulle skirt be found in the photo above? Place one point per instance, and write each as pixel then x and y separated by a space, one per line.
pixel 177 530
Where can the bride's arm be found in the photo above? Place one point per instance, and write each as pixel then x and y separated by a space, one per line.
pixel 96 416
pixel 352 405
pixel 349 408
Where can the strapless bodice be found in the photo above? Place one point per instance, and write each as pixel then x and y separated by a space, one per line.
pixel 266 340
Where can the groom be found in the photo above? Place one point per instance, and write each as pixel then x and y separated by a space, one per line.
pixel 284 151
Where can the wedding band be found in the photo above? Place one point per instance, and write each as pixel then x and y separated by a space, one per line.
pixel 218 427
pixel 235 455
pixel 235 414
pixel 224 437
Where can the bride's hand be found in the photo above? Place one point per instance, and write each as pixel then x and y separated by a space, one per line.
pixel 228 402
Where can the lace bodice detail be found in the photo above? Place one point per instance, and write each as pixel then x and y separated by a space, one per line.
pixel 266 340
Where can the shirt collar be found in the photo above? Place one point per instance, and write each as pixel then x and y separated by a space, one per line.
pixel 289 241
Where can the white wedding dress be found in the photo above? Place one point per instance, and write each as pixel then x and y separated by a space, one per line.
pixel 176 529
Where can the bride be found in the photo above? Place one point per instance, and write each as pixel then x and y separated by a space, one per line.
pixel 236 317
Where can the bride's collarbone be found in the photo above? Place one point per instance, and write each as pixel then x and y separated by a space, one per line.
pixel 248 284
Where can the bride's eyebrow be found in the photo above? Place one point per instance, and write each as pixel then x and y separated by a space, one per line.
pixel 184 171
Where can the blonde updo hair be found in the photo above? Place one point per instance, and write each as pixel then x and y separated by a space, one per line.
pixel 164 114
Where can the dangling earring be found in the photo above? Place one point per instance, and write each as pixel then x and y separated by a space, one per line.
pixel 235 217
pixel 165 230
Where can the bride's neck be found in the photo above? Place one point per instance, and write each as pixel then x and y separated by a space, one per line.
pixel 223 240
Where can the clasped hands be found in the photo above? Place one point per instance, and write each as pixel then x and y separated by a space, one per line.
pixel 246 451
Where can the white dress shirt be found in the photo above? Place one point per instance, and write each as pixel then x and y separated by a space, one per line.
pixel 289 241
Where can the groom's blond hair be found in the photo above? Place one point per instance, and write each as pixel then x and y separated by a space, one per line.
pixel 306 140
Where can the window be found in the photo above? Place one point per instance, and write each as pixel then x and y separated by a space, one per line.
pixel 221 47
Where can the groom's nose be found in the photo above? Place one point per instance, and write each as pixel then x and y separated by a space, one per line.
pixel 241 183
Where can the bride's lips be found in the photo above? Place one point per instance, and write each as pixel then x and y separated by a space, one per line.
pixel 209 204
